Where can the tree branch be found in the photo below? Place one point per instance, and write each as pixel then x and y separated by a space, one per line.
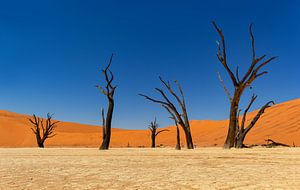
pixel 260 112
pixel 109 77
pixel 170 90
pixel 161 131
pixel 224 87
pixel 102 90
pixel 253 98
pixel 154 100
pixel 222 55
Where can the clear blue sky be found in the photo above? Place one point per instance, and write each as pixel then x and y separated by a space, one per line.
pixel 51 53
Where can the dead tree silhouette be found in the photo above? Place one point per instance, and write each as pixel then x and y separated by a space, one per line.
pixel 241 130
pixel 109 92
pixel 240 84
pixel 43 130
pixel 182 118
pixel 270 144
pixel 153 127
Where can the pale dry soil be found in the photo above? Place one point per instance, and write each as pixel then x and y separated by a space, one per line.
pixel 145 168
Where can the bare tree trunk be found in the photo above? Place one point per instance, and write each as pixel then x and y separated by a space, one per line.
pixel 103 126
pixel 153 145
pixel 178 146
pixel 41 145
pixel 107 135
pixel 39 141
pixel 240 140
pixel 233 117
pixel 188 137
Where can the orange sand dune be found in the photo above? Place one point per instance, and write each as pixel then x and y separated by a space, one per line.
pixel 280 123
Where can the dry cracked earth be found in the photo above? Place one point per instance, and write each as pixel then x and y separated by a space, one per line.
pixel 145 168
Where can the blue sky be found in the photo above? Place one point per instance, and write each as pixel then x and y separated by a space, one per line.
pixel 51 53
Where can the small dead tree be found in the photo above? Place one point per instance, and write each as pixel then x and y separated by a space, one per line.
pixel 182 118
pixel 240 84
pixel 153 128
pixel 109 92
pixel 43 130
pixel 270 144
pixel 241 130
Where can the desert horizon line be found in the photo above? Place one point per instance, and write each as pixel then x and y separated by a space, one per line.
pixel 166 126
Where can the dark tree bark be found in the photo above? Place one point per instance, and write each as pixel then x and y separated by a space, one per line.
pixel 240 85
pixel 241 130
pixel 178 146
pixel 182 118
pixel 270 144
pixel 109 92
pixel 43 130
pixel 153 128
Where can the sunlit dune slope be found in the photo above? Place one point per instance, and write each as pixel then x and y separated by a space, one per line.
pixel 280 123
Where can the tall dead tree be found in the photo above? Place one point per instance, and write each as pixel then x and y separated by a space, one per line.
pixel 182 118
pixel 240 84
pixel 108 91
pixel 43 130
pixel 241 130
pixel 153 128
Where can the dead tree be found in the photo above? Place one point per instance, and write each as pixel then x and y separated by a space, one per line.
pixel 109 92
pixel 240 84
pixel 270 144
pixel 182 118
pixel 241 130
pixel 153 128
pixel 43 130
pixel 178 146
